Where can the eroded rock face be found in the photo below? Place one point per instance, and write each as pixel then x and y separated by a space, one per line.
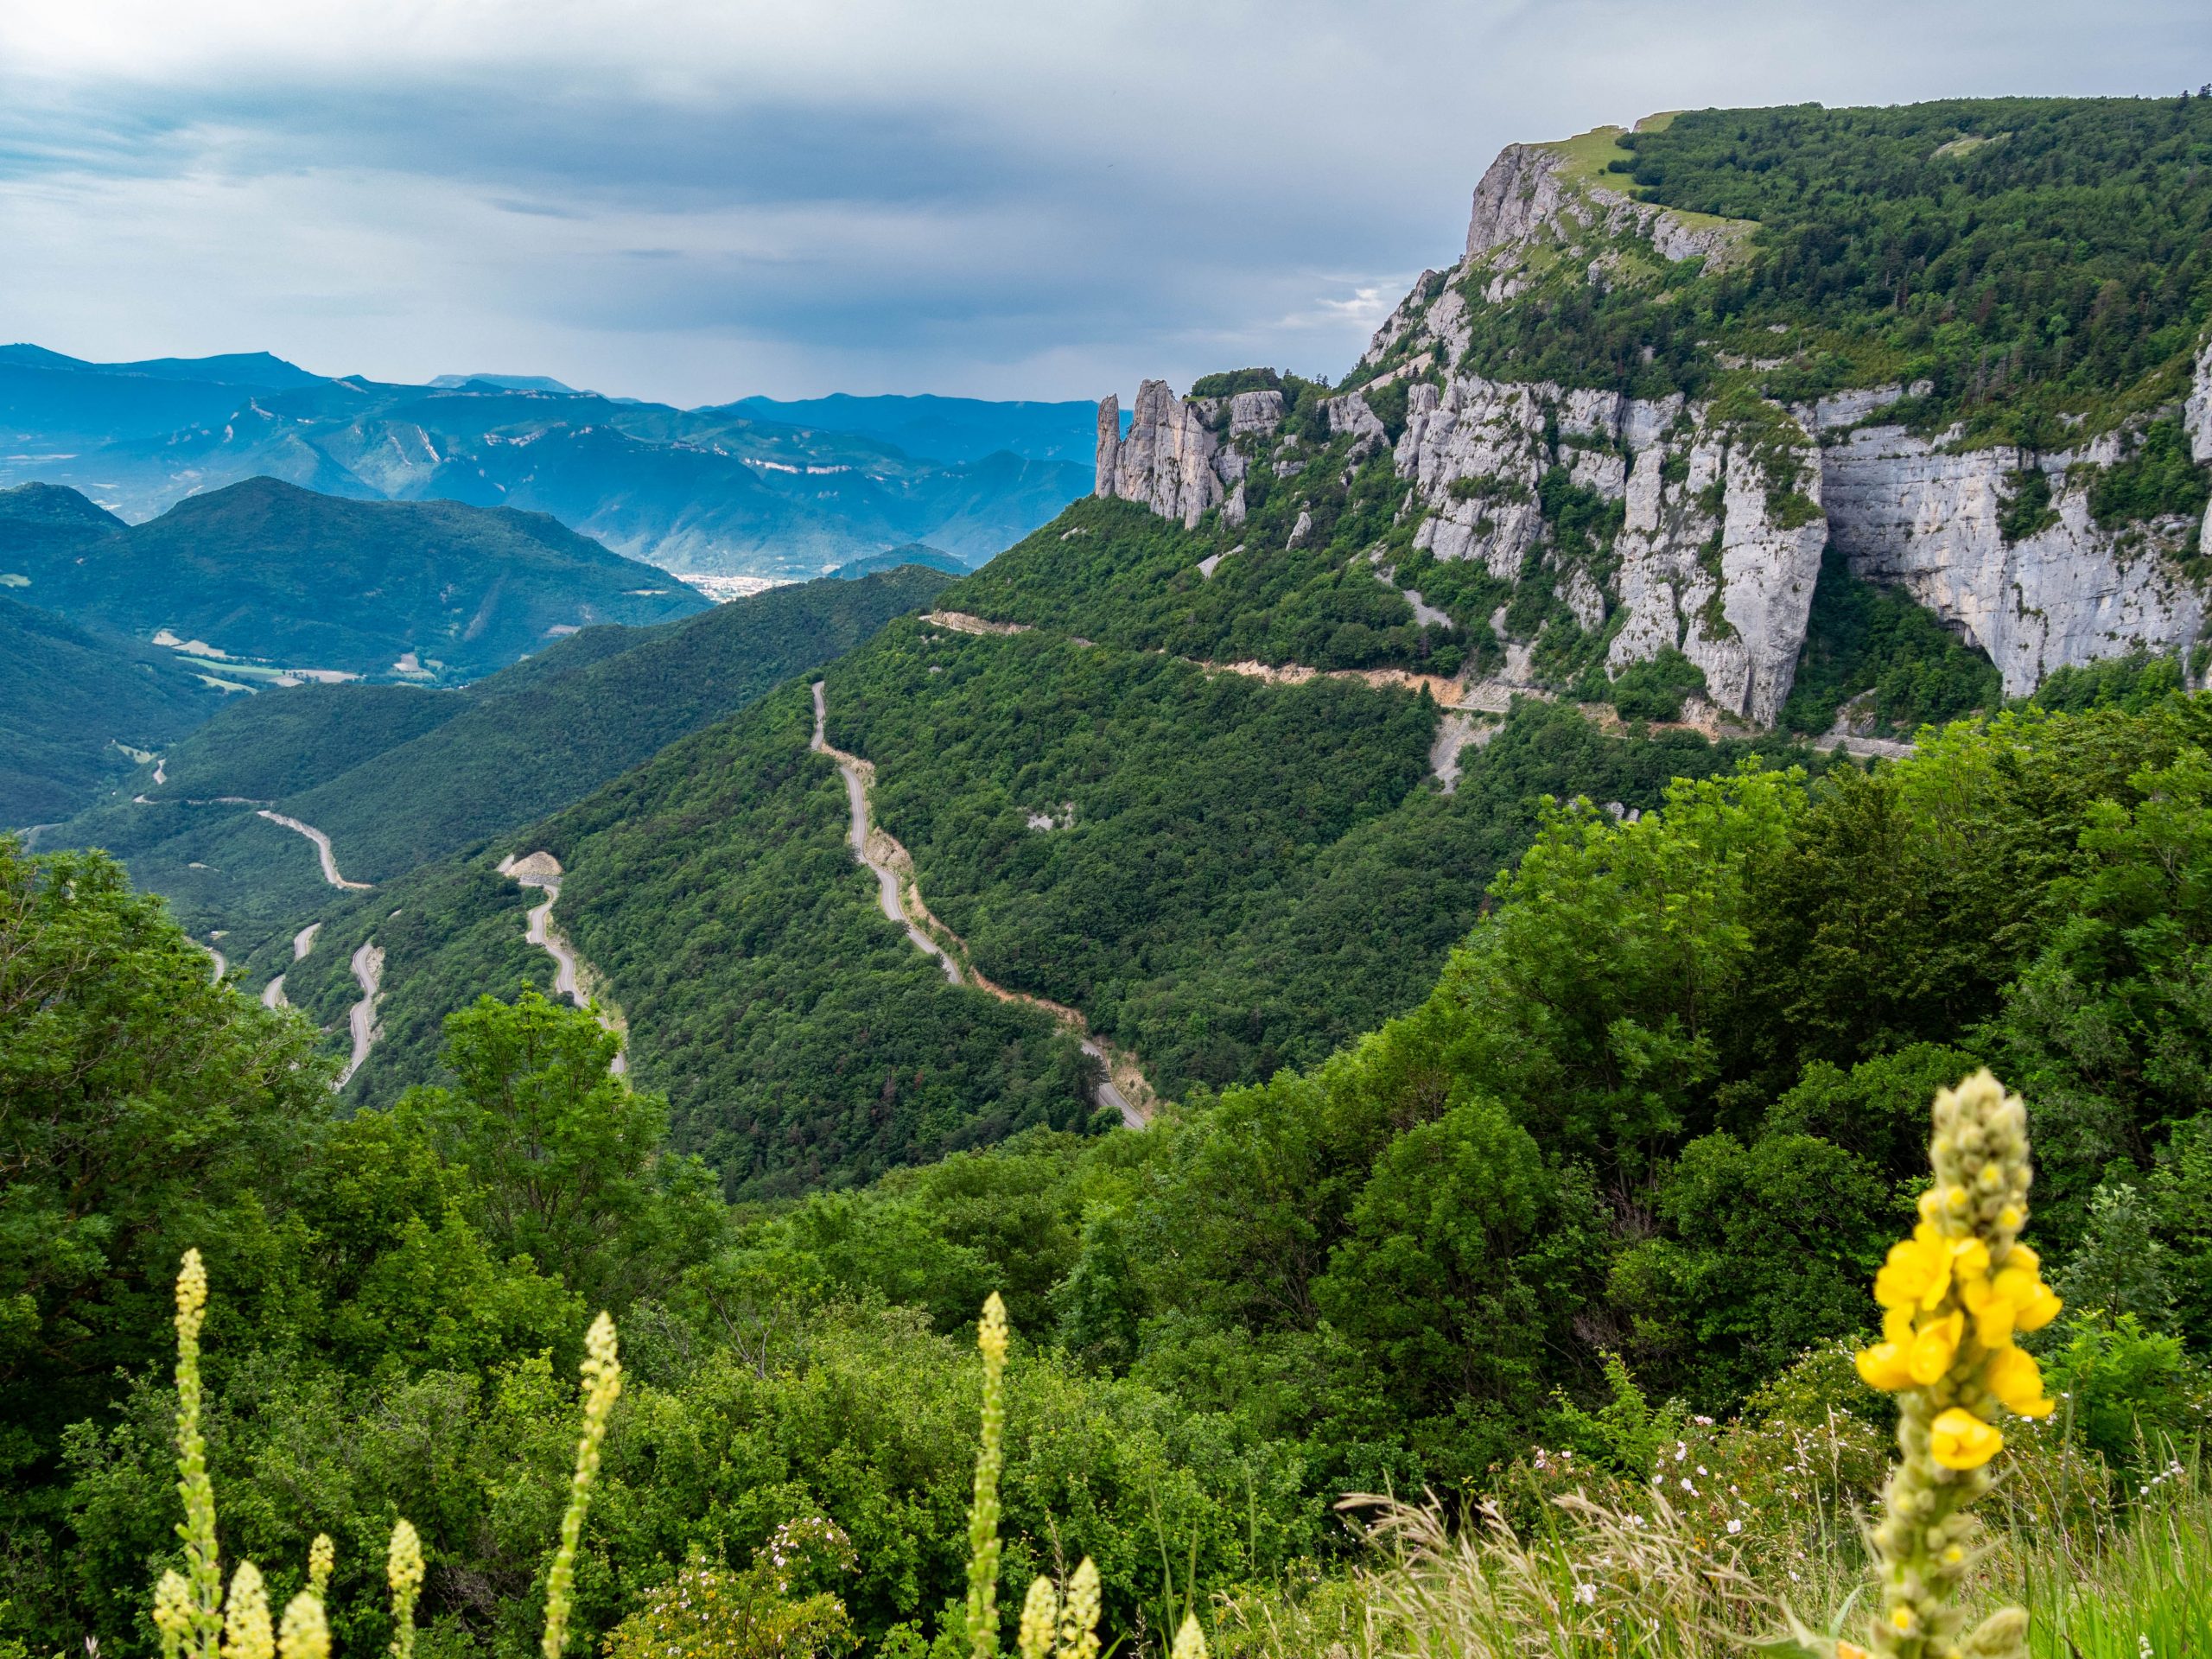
pixel 1259 412
pixel 2197 413
pixel 1166 462
pixel 1905 511
pixel 1722 536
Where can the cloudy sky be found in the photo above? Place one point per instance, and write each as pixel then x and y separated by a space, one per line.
pixel 694 199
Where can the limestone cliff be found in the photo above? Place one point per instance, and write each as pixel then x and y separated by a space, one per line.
pixel 1724 506
pixel 1167 461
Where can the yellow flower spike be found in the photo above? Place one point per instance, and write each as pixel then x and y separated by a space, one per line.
pixel 1962 1271
pixel 173 1612
pixel 1079 1616
pixel 1190 1641
pixel 1959 1439
pixel 404 1572
pixel 2017 1381
pixel 1934 1349
pixel 1917 1273
pixel 1040 1614
pixel 322 1555
pixel 1885 1366
pixel 246 1633
pixel 306 1632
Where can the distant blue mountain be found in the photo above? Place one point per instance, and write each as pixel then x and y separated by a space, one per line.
pixel 724 491
pixel 228 369
pixel 913 553
pixel 942 428
pixel 505 382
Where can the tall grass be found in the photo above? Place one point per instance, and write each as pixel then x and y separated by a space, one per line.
pixel 1613 1571
pixel 2138 1586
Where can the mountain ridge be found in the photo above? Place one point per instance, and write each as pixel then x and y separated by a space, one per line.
pixel 263 570
pixel 1667 495
pixel 713 491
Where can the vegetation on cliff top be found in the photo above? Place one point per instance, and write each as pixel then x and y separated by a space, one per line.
pixel 2028 257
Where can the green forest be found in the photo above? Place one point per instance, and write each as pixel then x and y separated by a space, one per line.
pixel 466 764
pixel 2029 259
pixel 1636 1157
pixel 1241 875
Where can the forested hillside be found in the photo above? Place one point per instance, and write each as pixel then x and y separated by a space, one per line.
pixel 283 576
pixel 71 702
pixel 398 776
pixel 1223 874
pixel 1665 1102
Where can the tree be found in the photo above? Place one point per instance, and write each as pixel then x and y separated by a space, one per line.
pixel 2120 1268
pixel 143 1108
pixel 564 1155
pixel 1767 1250
pixel 1429 1288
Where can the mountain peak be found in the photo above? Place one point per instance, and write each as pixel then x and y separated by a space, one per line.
pixel 54 504
pixel 503 383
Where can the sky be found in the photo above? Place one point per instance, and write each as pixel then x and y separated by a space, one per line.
pixel 693 200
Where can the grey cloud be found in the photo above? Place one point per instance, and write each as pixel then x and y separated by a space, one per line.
pixel 981 205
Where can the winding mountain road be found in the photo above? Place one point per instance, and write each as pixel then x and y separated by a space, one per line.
pixel 362 1019
pixel 272 993
pixel 571 973
pixel 321 848
pixel 892 867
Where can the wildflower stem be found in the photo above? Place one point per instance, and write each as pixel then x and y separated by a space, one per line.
pixel 602 1382
pixel 202 1630
pixel 983 1512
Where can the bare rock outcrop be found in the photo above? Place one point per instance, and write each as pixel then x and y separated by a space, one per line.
pixel 1166 462
pixel 1928 519
pixel 1254 412
pixel 1723 526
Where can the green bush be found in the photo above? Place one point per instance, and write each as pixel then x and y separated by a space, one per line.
pixel 1655 689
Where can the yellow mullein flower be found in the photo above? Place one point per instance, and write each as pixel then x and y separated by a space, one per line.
pixel 173 1612
pixel 1934 1347
pixel 1079 1616
pixel 1040 1614
pixel 246 1632
pixel 2034 1303
pixel 305 1633
pixel 2017 1381
pixel 1959 1439
pixel 1953 1293
pixel 1918 1271
pixel 1885 1366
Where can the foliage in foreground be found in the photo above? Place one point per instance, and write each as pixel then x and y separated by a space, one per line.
pixel 1660 1107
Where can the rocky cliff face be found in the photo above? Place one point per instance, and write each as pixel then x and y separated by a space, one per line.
pixel 1167 461
pixel 1705 563
pixel 1723 517
pixel 1906 510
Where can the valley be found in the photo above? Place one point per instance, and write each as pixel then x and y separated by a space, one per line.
pixel 1405 932
pixel 893 868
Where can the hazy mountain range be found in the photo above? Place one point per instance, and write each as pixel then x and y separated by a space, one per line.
pixel 785 491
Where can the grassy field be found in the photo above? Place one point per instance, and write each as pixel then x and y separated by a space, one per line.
pixel 1594 1565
